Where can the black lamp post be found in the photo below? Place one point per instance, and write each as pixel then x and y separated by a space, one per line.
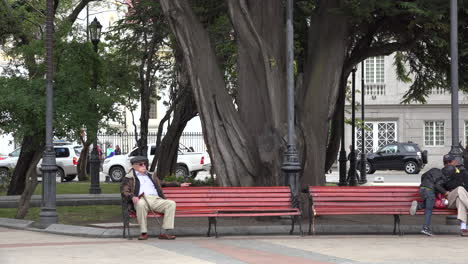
pixel 291 165
pixel 455 148
pixel 352 153
pixel 342 157
pixel 48 214
pixel 363 178
pixel 95 34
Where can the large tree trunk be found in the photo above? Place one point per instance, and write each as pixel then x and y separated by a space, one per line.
pixel 328 38
pixel 227 136
pixel 30 147
pixel 184 108
pixel 31 183
pixel 83 161
pixel 261 82
pixel 184 111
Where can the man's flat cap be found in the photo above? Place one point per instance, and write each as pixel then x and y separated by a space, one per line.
pixel 449 157
pixel 137 159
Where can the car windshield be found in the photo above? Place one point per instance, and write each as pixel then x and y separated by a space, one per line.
pixel 134 153
pixel 15 153
pixel 389 149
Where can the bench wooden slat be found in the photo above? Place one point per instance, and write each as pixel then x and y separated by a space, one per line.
pixel 216 202
pixel 366 200
pixel 230 200
pixel 360 194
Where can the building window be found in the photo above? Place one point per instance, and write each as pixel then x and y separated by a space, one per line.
pixel 375 69
pixel 434 133
pixel 153 114
pixel 376 135
pixel 466 133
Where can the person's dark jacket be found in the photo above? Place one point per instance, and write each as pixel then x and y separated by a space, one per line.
pixel 130 187
pixel 457 179
pixel 434 179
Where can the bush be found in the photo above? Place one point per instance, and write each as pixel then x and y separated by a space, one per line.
pixel 208 181
pixel 5 181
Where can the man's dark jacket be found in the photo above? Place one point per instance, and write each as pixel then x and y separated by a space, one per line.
pixel 457 179
pixel 434 179
pixel 130 186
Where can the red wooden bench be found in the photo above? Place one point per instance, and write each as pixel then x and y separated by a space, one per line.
pixel 365 200
pixel 215 202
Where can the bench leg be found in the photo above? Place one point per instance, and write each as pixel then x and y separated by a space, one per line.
pixel 293 220
pixel 396 222
pixel 212 220
pixel 209 226
pixel 309 211
pixel 215 222
pixel 126 221
pixel 299 221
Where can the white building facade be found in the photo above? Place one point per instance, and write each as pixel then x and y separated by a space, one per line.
pixel 386 120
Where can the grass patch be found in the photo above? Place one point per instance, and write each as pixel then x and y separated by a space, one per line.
pixel 81 188
pixel 74 215
pixel 77 188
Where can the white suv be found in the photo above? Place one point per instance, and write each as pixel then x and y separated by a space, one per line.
pixel 189 163
pixel 66 157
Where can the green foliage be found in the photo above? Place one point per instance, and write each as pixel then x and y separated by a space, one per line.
pixel 194 182
pixel 80 99
pixel 214 17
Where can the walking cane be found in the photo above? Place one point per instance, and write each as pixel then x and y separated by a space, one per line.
pixel 151 210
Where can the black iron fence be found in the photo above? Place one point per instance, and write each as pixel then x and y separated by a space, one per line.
pixel 127 141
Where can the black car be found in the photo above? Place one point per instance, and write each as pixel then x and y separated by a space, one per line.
pixel 397 156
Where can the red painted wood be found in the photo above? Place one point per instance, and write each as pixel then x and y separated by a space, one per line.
pixel 229 201
pixel 367 200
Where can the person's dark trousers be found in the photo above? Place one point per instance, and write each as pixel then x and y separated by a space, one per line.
pixel 428 199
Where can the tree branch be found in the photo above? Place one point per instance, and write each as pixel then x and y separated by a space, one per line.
pixel 77 10
pixel 384 49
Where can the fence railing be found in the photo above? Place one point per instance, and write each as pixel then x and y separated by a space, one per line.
pixel 127 141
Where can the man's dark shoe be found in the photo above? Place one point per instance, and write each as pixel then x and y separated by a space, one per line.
pixel 143 237
pixel 463 232
pixel 426 231
pixel 166 236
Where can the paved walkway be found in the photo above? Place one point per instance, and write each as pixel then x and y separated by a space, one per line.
pixel 20 246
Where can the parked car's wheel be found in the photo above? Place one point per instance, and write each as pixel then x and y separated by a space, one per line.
pixel 116 173
pixel 181 171
pixel 194 174
pixel 411 167
pixel 369 168
pixel 70 178
pixel 60 174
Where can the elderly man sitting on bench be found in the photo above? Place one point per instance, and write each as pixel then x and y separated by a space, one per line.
pixel 144 192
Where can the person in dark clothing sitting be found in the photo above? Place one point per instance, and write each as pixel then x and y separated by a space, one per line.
pixel 432 182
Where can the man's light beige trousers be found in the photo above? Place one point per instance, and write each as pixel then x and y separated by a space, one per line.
pixel 159 205
pixel 458 198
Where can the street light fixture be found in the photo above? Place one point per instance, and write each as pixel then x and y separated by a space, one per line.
pixel 352 153
pixel 291 165
pixel 48 214
pixel 95 32
pixel 95 35
pixel 455 148
pixel 363 178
